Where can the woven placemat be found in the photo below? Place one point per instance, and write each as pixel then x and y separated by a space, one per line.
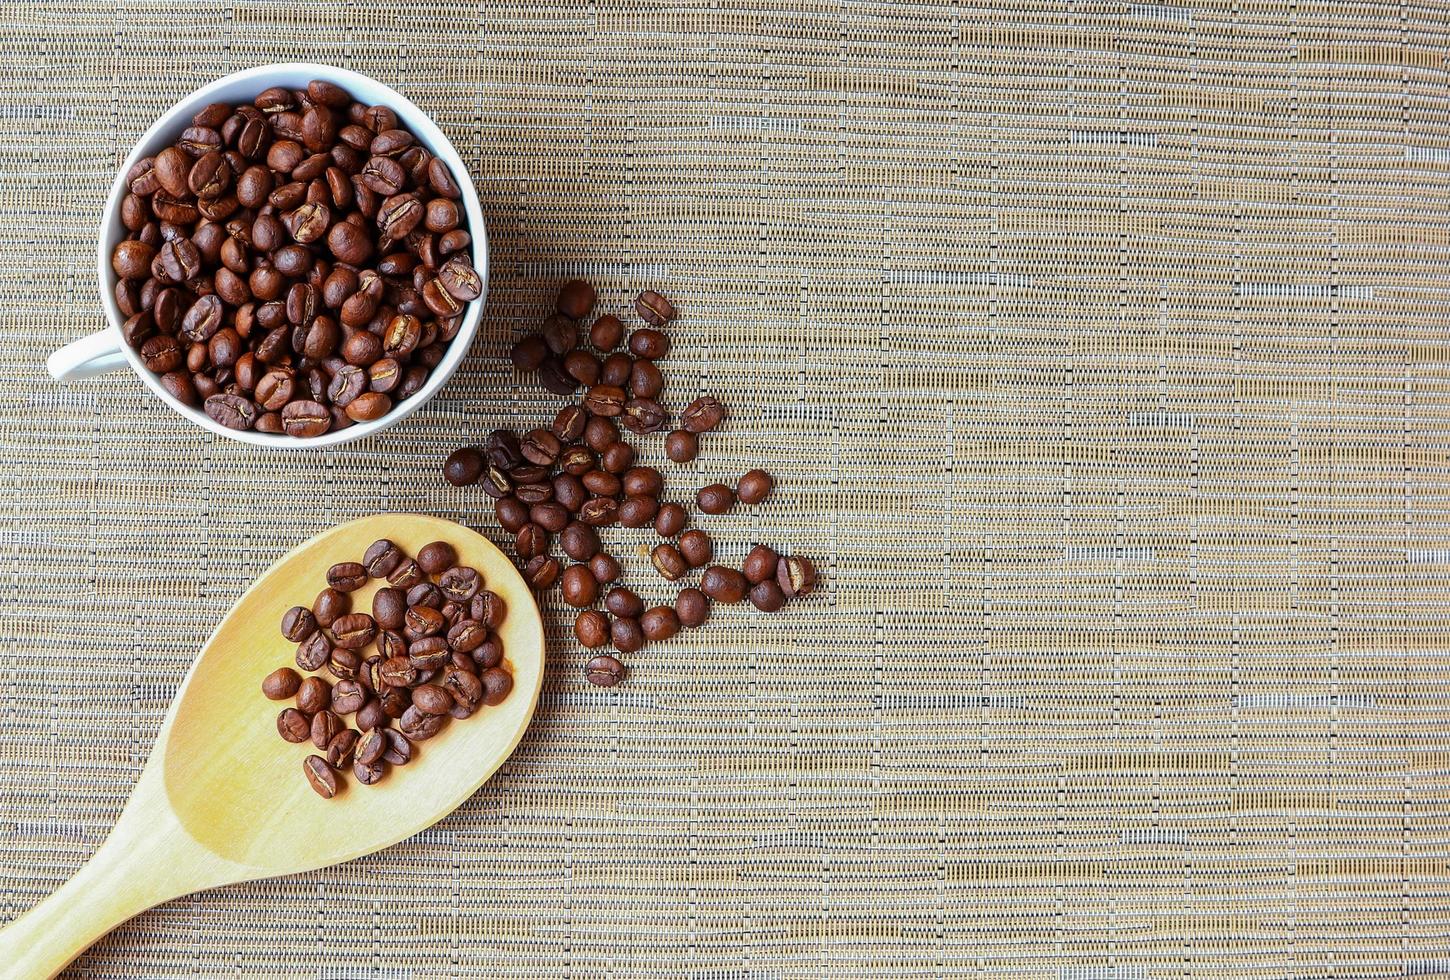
pixel 1100 352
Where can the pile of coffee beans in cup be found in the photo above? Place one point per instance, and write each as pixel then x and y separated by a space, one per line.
pixel 428 651
pixel 558 484
pixel 293 265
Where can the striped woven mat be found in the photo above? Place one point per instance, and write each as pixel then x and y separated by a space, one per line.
pixel 1100 352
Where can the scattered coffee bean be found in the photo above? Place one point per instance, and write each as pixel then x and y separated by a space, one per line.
pixel 579 541
pixel 381 558
pixel 576 299
pixel 320 776
pixel 329 606
pixel 638 511
pixel 760 564
pixel 463 467
pixel 606 333
pixel 347 576
pixel 497 683
pixel 293 726
pixel 605 568
pixel 281 684
pixel 314 695
pixel 626 635
pixel 348 697
pixel 653 308
pixel 604 670
pixel 669 562
pixel 696 547
pixel 298 624
pixel 340 750
pixel 325 726
pixel 692 606
pixel 795 575
pixel 591 627
pixel 368 773
pixel 682 446
pixel 702 415
pixel 659 623
pixel 623 602
pixel 437 557
pixel 670 520
pixel 723 584
pixel 754 487
pixel 716 498
pixel 542 572
pixel 315 651
pixel 578 586
pixel 767 596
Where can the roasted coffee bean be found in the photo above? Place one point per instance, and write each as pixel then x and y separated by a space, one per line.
pixel 329 605
pixel 466 635
pixel 606 333
pixel 398 671
pixel 560 334
pixel 497 683
pixel 540 446
pixel 754 487
pixel 463 467
pixel 604 670
pixel 371 746
pixel 281 684
pixel 460 583
pixel 421 621
pixel 626 635
pixel 682 446
pixel 439 556
pixel 605 568
pixel 716 498
pixel 511 513
pixel 600 433
pixel 692 606
pixel 531 541
pixel 389 608
pixel 463 686
pixel 583 367
pixel 419 726
pixel 653 308
pixel 406 575
pixel 347 576
pixel 669 562
pixel 599 511
pixel 488 609
pixel 767 596
pixel 314 695
pixel 530 493
pixel 320 776
pixel 368 773
pixel 795 575
pixel 642 415
pixel 343 662
pixel 348 695
pixel 702 415
pixel 576 299
pixel 529 353
pixel 347 384
pixel 529 473
pixel 638 511
pixel 569 492
pixel 354 631
pixel 645 380
pixel 325 728
pixel 298 623
pixel 578 460
pixel 617 458
pixel 305 419
pixel 542 572
pixel 381 558
pixel 760 564
pixel 399 751
pixel 659 623
pixel 623 602
pixel 642 481
pixel 578 586
pixel 606 401
pixel 696 547
pixel 670 520
pixel 579 541
pixel 601 483
pixel 591 627
pixel 432 699
pixel 425 594
pixel 648 343
pixel 232 411
pixel 489 653
pixel 569 424
pixel 429 653
pixel 314 652
pixel 293 726
pixel 723 584
pixel 551 517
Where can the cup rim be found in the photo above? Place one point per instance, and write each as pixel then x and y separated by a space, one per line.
pixel 421 125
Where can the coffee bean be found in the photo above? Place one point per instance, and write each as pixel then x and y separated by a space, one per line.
pixel 623 602
pixel 460 583
pixel 281 684
pixel 578 460
pixel 298 623
pixel 343 662
pixel 329 605
pixel 670 520
pixel 716 498
pixel 615 370
pixel 617 457
pixel 305 419
pixel 406 575
pixel 601 483
pixel 555 378
pixel 542 572
pixel 754 487
pixel 605 568
pixel 578 587
pixel 659 623
pixel 579 541
pixel 320 776
pixel 381 558
pixel 560 334
pixel 371 715
pixel 723 584
pixel 767 596
pixel 347 576
pixel 432 699
pixel 638 511
pixel 464 687
pixel 540 446
pixel 314 695
pixel 605 401
pixel 702 415
pixel 399 751
pixel 642 481
pixel 591 627
pixel 293 726
pixel 488 609
pixel 511 514
pixel 583 367
pixel 626 635
pixel 418 726
pixel 437 557
pixel 668 561
pixel 643 415
pixel 489 654
pixel 569 423
pixel 340 750
pixel 354 631
pixel 529 352
pixel 599 511
pixel 463 466
pixel 371 746
pixel 760 564
pixel 692 607
pixel 531 541
pixel 653 308
pixel 325 727
pixel 795 575
pixel 467 635
pixel 389 607
pixel 606 333
pixel 232 411
pixel 421 621
pixel 576 299
pixel 696 547
pixel 497 683
pixel 648 343
pixel 604 670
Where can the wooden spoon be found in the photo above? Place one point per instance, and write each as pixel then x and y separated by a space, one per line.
pixel 223 799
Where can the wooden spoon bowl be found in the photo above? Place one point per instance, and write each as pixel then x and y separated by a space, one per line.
pixel 223 799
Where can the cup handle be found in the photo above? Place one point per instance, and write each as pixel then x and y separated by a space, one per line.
pixel 93 354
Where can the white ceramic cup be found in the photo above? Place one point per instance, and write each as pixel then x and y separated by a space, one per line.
pixel 107 351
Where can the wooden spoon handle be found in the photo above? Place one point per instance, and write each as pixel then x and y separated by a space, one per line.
pixel 147 860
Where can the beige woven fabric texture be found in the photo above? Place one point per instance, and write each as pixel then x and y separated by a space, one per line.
pixel 1100 351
